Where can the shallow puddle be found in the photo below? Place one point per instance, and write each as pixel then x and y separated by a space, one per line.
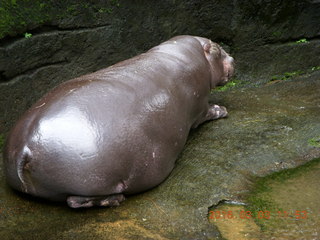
pixel 283 205
pixel 233 224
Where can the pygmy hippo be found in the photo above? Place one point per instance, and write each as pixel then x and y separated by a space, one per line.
pixel 117 131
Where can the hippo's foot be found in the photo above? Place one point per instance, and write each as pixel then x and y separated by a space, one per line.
pixel 100 201
pixel 216 112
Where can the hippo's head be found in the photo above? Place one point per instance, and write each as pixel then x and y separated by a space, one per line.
pixel 222 64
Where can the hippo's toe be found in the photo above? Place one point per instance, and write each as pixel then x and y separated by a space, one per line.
pixel 100 201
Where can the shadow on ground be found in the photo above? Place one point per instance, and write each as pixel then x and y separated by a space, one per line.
pixel 269 129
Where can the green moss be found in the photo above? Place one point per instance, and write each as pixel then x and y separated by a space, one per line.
pixel 115 3
pixel 290 75
pixel 315 68
pixel 105 10
pixel 232 84
pixel 1 141
pixel 303 40
pixel 27 35
pixel 286 76
pixel 111 6
pixel 259 198
pixel 17 15
pixel 285 174
pixel 73 10
pixel 314 142
pixel 276 34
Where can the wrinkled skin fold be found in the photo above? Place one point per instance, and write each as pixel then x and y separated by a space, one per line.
pixel 118 131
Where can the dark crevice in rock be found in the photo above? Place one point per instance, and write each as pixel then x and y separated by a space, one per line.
pixel 46 29
pixel 226 201
pixel 50 28
pixel 294 40
pixel 279 42
pixel 3 77
pixel 222 201
pixel 8 81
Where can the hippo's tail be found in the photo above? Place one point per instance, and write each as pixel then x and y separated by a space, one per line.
pixel 17 167
pixel 23 165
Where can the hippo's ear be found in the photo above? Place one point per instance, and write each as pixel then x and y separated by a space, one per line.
pixel 206 47
pixel 212 49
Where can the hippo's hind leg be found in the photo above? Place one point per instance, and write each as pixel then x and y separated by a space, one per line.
pixel 215 112
pixel 100 201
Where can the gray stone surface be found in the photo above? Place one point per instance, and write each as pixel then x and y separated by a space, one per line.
pixel 268 130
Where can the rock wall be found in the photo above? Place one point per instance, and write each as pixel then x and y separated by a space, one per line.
pixel 43 43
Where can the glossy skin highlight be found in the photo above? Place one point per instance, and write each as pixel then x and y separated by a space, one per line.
pixel 117 131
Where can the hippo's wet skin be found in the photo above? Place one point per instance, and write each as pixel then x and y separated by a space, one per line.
pixel 118 131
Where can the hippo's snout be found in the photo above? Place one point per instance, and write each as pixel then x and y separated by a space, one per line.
pixel 228 69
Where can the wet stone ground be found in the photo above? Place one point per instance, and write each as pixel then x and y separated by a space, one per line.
pixel 270 128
